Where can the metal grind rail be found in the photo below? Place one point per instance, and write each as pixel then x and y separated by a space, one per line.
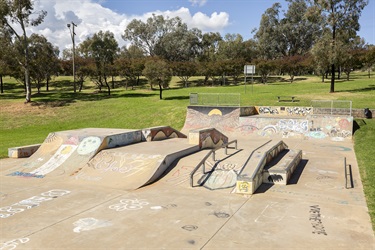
pixel 203 161
pixel 348 174
pixel 248 159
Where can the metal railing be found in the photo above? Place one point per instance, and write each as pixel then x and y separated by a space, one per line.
pixel 203 161
pixel 348 174
pixel 251 155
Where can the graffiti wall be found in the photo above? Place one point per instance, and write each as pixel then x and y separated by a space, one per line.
pixel 335 128
pixel 221 118
pixel 284 111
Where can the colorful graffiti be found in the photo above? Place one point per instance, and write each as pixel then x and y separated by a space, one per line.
pixel 315 127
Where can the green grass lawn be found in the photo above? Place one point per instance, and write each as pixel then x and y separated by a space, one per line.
pixel 61 109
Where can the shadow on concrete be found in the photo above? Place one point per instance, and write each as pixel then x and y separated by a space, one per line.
pixel 298 172
pixel 263 188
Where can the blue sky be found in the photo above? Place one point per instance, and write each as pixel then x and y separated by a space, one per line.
pixel 224 16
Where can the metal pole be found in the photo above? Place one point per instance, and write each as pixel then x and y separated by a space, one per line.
pixel 72 34
pixel 74 57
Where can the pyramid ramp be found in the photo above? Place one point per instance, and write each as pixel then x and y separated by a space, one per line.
pixel 133 166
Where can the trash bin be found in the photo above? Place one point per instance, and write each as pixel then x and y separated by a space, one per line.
pixel 368 113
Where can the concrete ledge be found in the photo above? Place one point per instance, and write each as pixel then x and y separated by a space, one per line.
pixel 249 185
pixel 283 170
pixel 207 138
pixel 23 151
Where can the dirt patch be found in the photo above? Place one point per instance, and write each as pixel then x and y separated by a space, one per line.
pixel 32 108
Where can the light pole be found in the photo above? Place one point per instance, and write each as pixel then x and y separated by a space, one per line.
pixel 72 34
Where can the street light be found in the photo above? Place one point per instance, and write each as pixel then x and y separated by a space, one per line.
pixel 72 34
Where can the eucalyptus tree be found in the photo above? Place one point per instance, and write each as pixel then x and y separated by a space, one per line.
pixel 350 57
pixel 43 60
pixel 157 71
pixel 184 70
pixel 297 31
pixel 5 57
pixel 270 41
pixel 321 53
pixel 180 44
pixel 209 46
pixel 231 54
pixel 15 17
pixel 338 17
pixel 102 48
pixel 130 64
pixel 369 58
pixel 167 38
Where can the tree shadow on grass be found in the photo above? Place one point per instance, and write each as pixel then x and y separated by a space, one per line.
pixel 366 89
pixel 177 98
pixel 54 99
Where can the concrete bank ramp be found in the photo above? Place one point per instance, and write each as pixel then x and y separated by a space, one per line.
pixel 63 152
pixel 133 166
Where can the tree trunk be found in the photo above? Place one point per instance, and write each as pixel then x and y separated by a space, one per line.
pixel 106 83
pixel 323 77
pixel 38 85
pixel 332 89
pixel 27 84
pixel 47 84
pixel 1 85
pixel 113 83
pixel 27 70
pixel 160 91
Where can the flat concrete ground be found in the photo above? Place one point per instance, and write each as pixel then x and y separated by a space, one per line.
pixel 315 211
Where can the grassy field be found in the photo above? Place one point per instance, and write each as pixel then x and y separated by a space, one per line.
pixel 61 109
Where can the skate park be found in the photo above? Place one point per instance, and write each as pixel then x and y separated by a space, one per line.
pixel 231 178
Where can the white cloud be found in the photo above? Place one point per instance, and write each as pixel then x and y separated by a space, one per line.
pixel 215 22
pixel 198 2
pixel 91 17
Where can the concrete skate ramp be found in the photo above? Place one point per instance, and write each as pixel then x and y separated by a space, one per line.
pixel 271 122
pixel 63 152
pixel 133 166
pixel 224 119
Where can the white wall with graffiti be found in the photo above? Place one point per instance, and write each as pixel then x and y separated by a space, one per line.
pixel 336 128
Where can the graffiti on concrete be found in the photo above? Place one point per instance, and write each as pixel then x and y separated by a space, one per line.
pixel 219 118
pixel 190 228
pixel 35 201
pixel 61 155
pixel 12 244
pixel 87 224
pixel 316 220
pixel 268 110
pixel 24 174
pixel 89 145
pixel 293 125
pixel 285 126
pixel 123 139
pixel 299 111
pixel 122 163
pixel 129 204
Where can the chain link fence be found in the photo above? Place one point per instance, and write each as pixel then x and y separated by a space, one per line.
pixel 215 99
pixel 332 107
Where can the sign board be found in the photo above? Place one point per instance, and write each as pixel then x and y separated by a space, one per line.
pixel 249 69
